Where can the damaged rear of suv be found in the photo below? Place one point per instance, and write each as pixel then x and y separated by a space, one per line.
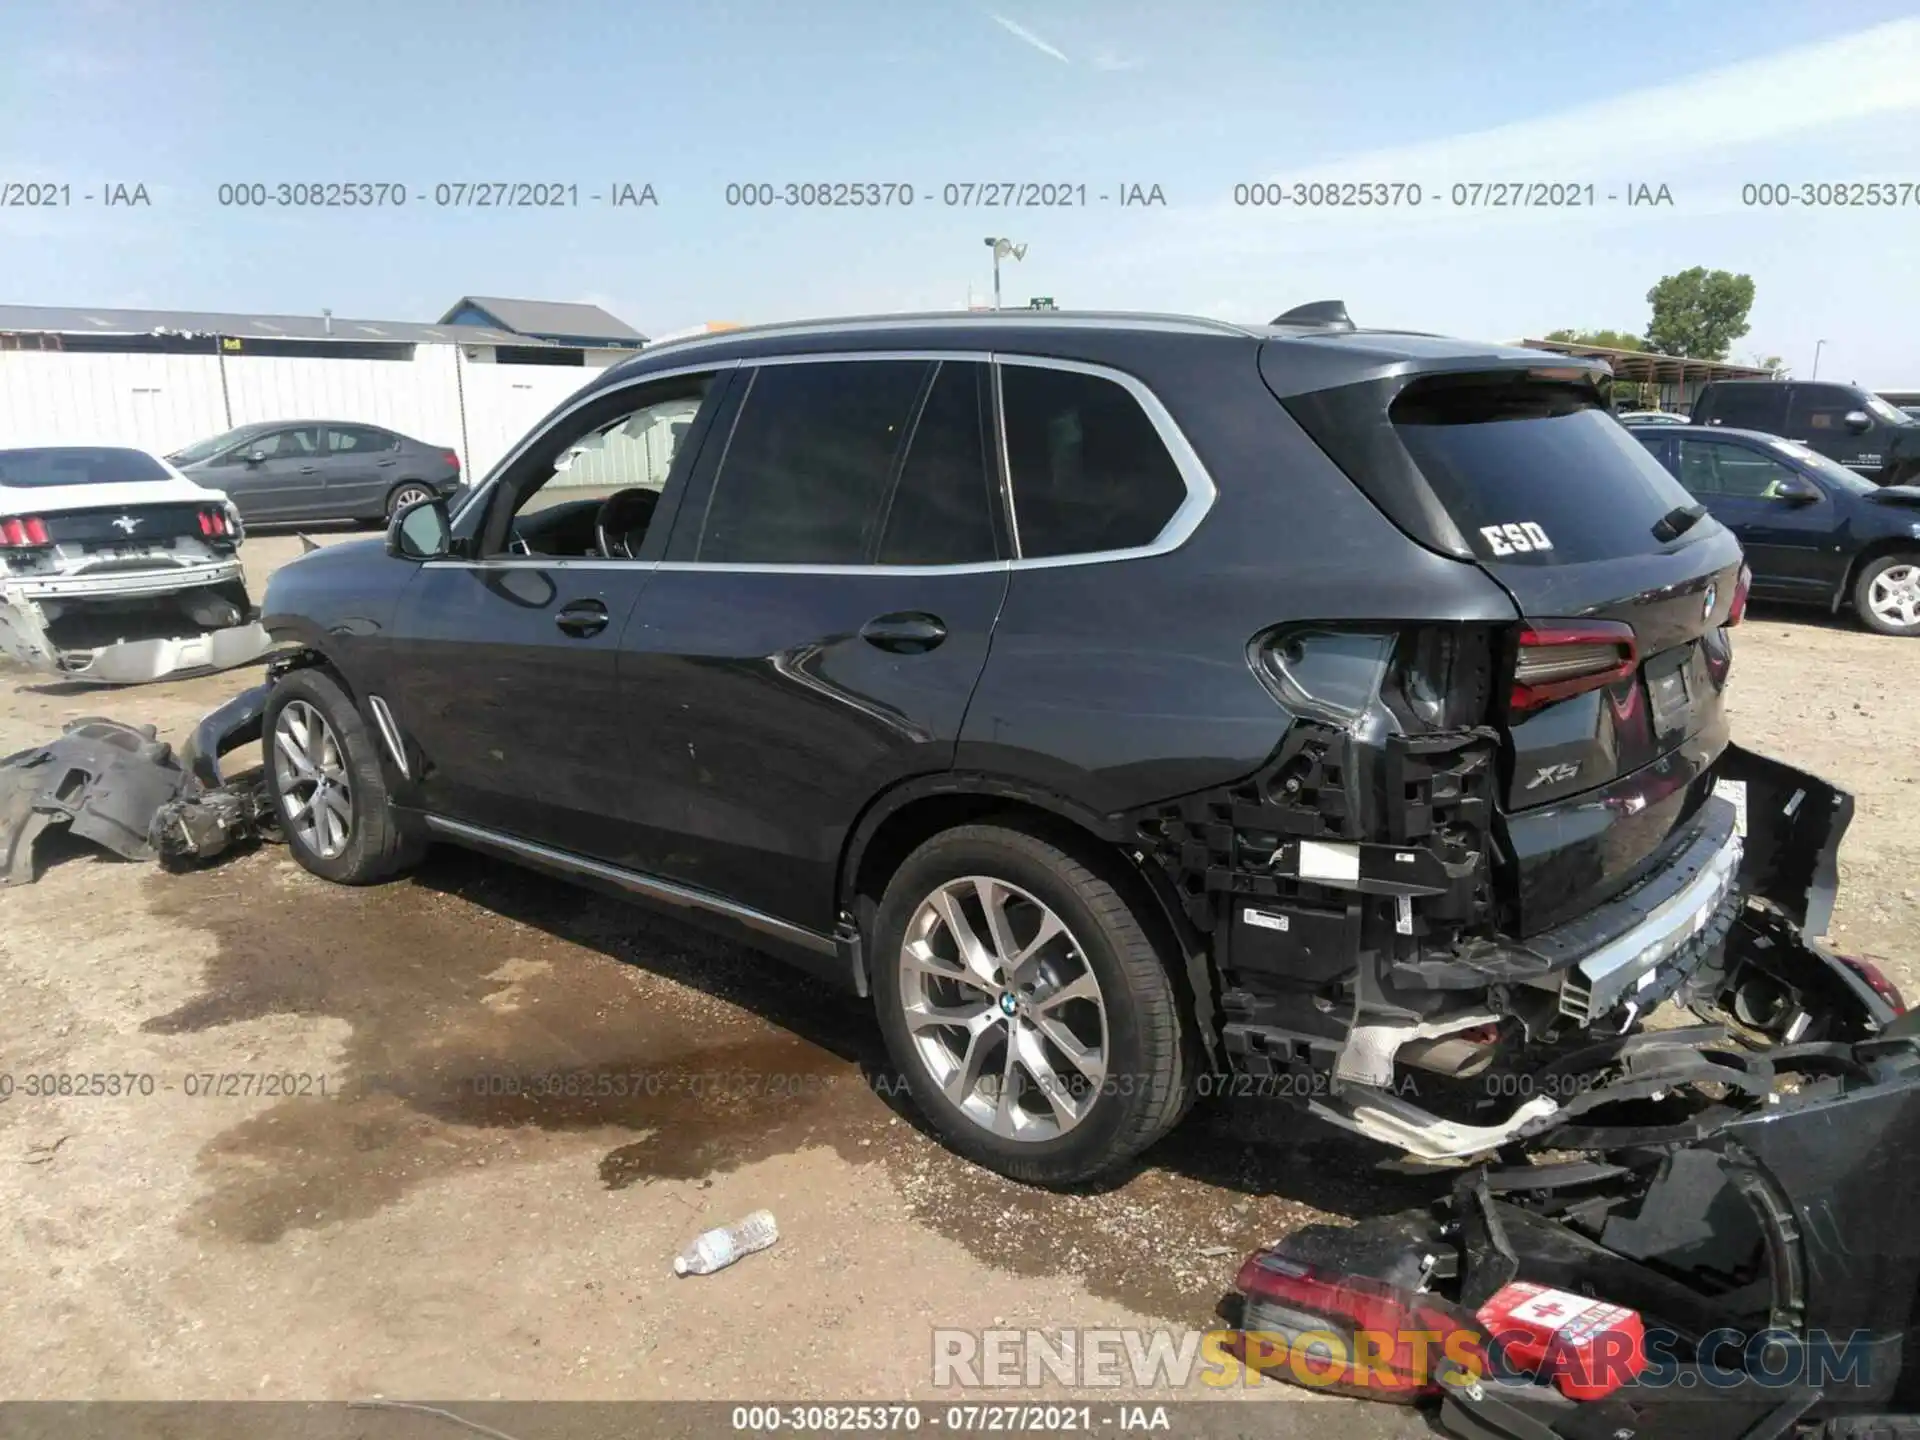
pixel 117 568
pixel 1109 698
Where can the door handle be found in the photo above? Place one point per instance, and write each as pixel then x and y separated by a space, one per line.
pixel 907 633
pixel 309 469
pixel 582 618
pixel 387 464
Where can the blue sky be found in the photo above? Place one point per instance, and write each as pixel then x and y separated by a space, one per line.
pixel 1194 97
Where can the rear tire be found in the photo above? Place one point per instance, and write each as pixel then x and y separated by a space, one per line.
pixel 329 794
pixel 1052 1069
pixel 1886 595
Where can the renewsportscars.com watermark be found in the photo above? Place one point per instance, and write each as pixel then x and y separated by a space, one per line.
pixel 1162 1359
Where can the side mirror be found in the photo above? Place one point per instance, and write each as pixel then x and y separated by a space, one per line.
pixel 1857 421
pixel 1798 491
pixel 422 531
pixel 256 457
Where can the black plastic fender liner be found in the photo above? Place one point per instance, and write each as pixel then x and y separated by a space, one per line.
pixel 103 779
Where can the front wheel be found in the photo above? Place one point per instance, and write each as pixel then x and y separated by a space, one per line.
pixel 1038 1028
pixel 1887 595
pixel 324 777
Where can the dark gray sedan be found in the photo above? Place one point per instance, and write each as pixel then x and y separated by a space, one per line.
pixel 320 470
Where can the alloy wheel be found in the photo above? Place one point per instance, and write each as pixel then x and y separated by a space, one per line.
pixel 407 495
pixel 1003 1008
pixel 1894 595
pixel 310 769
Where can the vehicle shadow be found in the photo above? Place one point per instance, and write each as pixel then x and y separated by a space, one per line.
pixel 1246 1145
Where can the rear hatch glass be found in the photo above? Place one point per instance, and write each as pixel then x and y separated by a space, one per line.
pixel 1535 473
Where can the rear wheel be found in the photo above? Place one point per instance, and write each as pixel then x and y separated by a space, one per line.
pixel 324 776
pixel 409 492
pixel 1887 595
pixel 1038 1029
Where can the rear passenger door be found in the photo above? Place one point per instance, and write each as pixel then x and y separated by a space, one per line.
pixel 820 621
pixel 361 464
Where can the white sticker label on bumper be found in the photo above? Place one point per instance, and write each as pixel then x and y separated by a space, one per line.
pixel 1736 791
pixel 1322 861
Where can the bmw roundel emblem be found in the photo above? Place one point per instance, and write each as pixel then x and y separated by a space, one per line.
pixel 1713 594
pixel 1008 1004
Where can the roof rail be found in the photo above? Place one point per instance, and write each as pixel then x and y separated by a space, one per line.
pixel 1064 319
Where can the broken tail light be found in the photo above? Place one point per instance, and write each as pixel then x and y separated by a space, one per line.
pixel 1557 659
pixel 1737 611
pixel 18 532
pixel 1349 1334
pixel 1876 981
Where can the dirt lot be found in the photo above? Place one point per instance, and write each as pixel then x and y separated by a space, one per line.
pixel 401 1228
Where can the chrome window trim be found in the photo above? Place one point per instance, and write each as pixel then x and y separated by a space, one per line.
pixel 1201 491
pixel 650 886
pixel 1180 526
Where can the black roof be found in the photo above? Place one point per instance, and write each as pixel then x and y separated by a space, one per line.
pixel 1313 357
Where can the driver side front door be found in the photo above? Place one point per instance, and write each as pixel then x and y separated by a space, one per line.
pixel 506 674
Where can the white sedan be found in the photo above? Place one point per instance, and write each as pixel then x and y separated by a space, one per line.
pixel 115 567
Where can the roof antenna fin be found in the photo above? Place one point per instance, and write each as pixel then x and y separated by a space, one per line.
pixel 1318 315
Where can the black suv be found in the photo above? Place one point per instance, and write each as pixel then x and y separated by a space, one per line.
pixel 1113 700
pixel 1855 427
pixel 1812 530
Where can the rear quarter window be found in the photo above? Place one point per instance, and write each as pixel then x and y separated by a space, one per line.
pixel 1535 472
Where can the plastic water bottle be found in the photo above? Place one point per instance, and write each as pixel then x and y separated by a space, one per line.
pixel 719 1248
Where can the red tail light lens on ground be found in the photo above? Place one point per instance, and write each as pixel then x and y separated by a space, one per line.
pixel 1738 610
pixel 1557 659
pixel 1348 1334
pixel 18 532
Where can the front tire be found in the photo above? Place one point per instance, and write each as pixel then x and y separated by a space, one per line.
pixel 1038 1028
pixel 1886 596
pixel 329 794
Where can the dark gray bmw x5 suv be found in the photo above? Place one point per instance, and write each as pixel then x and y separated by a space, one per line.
pixel 1114 702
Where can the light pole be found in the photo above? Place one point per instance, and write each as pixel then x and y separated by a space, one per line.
pixel 1001 246
pixel 1816 359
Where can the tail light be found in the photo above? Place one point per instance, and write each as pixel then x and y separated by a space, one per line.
pixel 1738 610
pixel 19 532
pixel 1350 1334
pixel 214 524
pixel 1557 659
pixel 452 459
pixel 1876 981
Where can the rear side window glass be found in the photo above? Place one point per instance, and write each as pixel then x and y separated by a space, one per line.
pixel 1089 471
pixel 357 439
pixel 1823 409
pixel 1534 471
pixel 942 511
pixel 1746 407
pixel 807 465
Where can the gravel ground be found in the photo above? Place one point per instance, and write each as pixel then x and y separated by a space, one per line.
pixel 399 1226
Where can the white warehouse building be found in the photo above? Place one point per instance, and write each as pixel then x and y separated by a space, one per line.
pixel 474 382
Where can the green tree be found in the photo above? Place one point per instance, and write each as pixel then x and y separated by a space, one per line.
pixel 1699 313
pixel 1601 339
